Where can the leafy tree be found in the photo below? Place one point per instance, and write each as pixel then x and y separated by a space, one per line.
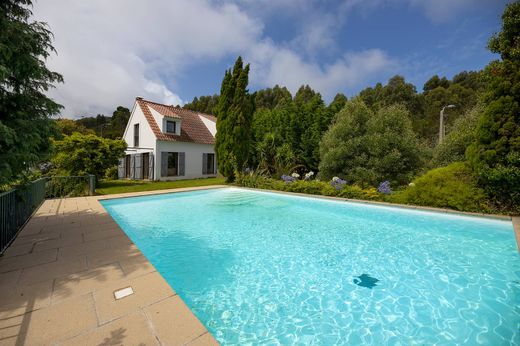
pixel 367 147
pixel 495 155
pixel 203 104
pixel 436 82
pixel 307 122
pixel 470 79
pixel 458 139
pixel 463 98
pixel 272 98
pixel 118 122
pixel 339 101
pixel 80 154
pixel 69 126
pixel 234 118
pixel 25 110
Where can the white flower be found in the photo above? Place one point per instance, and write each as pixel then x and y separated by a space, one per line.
pixel 309 175
pixel 411 184
pixel 335 179
pixel 295 175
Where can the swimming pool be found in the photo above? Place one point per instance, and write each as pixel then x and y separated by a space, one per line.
pixel 266 268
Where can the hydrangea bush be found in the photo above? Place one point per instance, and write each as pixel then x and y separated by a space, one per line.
pixel 337 183
pixel 288 179
pixel 384 187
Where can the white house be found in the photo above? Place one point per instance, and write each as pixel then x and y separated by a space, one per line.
pixel 168 143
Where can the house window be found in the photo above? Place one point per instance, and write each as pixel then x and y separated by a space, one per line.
pixel 173 164
pixel 136 135
pixel 208 163
pixel 171 126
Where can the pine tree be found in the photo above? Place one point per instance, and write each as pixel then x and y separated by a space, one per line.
pixel 234 117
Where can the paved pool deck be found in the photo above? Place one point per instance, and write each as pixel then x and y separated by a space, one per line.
pixel 57 283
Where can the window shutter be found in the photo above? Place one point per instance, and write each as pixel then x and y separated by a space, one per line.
pixel 150 167
pixel 181 163
pixel 132 166
pixel 138 166
pixel 164 164
pixel 204 163
pixel 121 168
pixel 214 164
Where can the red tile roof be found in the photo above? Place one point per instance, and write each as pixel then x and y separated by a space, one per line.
pixel 192 128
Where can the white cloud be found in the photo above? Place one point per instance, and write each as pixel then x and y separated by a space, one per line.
pixel 111 51
pixel 272 65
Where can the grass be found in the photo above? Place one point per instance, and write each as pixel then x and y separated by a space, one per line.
pixel 109 187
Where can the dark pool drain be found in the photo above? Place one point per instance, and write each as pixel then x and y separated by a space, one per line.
pixel 365 280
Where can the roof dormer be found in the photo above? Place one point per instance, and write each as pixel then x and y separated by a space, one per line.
pixel 171 126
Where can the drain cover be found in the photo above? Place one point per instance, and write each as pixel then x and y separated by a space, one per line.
pixel 124 292
pixel 365 280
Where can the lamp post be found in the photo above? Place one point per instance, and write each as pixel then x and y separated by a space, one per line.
pixel 441 123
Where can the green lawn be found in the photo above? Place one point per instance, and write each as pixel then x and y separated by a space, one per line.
pixel 109 187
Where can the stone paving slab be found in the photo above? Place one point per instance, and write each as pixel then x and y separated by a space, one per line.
pixel 59 276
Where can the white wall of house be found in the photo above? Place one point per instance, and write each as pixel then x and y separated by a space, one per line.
pixel 146 135
pixel 193 159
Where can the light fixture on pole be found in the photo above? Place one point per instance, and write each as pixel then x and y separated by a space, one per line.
pixel 442 130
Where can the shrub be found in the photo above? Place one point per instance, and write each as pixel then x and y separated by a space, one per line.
pixel 366 148
pixel 111 173
pixel 453 186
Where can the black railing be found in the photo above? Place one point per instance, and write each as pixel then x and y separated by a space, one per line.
pixel 17 205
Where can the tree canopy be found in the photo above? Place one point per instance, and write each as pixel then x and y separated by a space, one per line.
pixel 81 154
pixel 25 111
pixel 367 147
pixel 495 155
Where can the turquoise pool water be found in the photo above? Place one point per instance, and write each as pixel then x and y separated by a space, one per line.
pixel 265 268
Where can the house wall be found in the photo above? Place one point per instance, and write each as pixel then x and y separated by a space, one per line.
pixel 146 135
pixel 193 159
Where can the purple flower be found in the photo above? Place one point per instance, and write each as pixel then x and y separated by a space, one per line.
pixel 288 179
pixel 337 183
pixel 384 187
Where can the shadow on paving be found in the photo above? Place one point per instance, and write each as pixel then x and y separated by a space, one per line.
pixel 66 252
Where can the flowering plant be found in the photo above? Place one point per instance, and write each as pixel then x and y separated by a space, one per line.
pixel 411 184
pixel 308 176
pixel 337 183
pixel 288 179
pixel 295 175
pixel 384 187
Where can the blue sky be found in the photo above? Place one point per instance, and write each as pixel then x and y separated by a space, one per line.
pixel 171 51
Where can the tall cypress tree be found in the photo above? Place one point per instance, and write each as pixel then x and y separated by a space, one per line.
pixel 234 118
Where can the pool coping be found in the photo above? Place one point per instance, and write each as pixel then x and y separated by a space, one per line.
pixel 514 219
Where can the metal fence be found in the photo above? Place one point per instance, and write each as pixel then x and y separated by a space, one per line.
pixel 17 205
pixel 70 186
